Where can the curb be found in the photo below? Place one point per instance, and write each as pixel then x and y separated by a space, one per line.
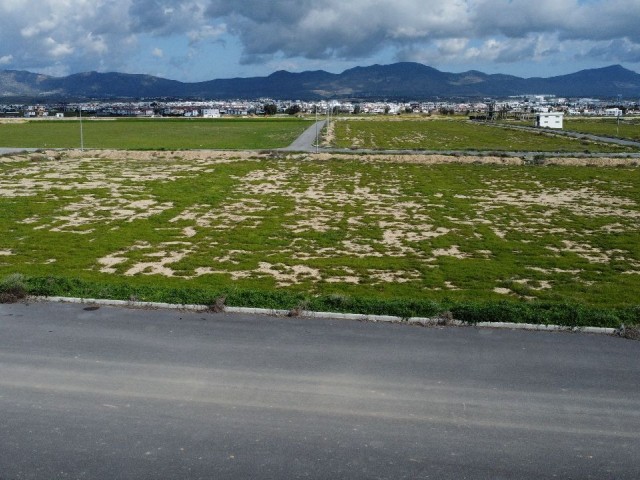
pixel 418 321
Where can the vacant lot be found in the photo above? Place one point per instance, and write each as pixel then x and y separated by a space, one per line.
pixel 627 128
pixel 347 226
pixel 156 134
pixel 385 134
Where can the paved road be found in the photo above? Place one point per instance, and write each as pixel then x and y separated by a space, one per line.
pixel 8 151
pixel 307 141
pixel 133 394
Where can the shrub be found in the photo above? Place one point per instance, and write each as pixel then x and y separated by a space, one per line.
pixel 13 288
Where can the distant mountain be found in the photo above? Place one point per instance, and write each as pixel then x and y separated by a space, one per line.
pixel 397 81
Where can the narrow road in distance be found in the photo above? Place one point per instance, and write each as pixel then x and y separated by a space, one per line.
pixel 106 393
pixel 307 141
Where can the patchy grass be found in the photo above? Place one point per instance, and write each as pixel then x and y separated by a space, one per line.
pixel 154 134
pixel 480 241
pixel 627 128
pixel 439 135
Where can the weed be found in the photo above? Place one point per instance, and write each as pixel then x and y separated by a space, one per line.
pixel 218 305
pixel 630 332
pixel 13 288
pixel 299 309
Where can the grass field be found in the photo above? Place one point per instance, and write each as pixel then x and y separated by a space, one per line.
pixel 629 128
pixel 338 228
pixel 445 135
pixel 156 134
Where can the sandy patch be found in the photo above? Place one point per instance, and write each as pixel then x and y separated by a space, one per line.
pixel 502 291
pixel 235 275
pixel 94 210
pixel 189 232
pixel 453 251
pixel 161 257
pixel 588 252
pixel 286 275
pixel 549 271
pixel 534 284
pixel 345 279
pixel 158 267
pixel 393 276
pixel 5 253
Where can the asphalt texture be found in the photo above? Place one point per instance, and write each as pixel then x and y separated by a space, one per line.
pixel 115 393
pixel 307 141
pixel 9 151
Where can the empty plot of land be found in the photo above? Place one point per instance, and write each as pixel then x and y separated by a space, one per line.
pixel 627 128
pixel 156 134
pixel 438 134
pixel 340 225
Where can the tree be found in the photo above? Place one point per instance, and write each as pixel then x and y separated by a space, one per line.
pixel 293 109
pixel 270 109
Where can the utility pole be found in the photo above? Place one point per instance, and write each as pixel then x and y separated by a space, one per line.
pixel 316 109
pixel 81 131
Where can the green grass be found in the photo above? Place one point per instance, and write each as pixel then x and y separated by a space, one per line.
pixel 628 128
pixel 154 134
pixel 482 241
pixel 443 135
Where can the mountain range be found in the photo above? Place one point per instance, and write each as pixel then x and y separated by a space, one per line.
pixel 406 80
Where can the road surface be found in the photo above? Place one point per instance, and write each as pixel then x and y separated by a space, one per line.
pixel 113 393
pixel 9 151
pixel 307 141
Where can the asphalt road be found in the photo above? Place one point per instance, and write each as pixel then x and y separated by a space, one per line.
pixel 8 151
pixel 307 141
pixel 135 394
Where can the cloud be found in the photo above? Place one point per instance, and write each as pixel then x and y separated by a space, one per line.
pixel 157 52
pixel 618 50
pixel 88 34
pixel 335 28
pixel 6 59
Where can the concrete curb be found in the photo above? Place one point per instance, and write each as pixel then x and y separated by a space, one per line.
pixel 418 321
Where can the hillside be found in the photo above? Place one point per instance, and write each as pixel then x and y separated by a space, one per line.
pixel 397 81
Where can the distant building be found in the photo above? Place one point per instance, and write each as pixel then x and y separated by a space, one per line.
pixel 211 113
pixel 549 120
pixel 613 112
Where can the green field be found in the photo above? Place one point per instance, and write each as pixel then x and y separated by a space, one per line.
pixel 443 135
pixel 394 232
pixel 154 134
pixel 628 128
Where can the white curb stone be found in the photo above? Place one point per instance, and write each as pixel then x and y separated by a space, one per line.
pixel 422 321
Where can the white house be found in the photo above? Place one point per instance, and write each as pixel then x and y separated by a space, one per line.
pixel 211 113
pixel 549 120
pixel 613 112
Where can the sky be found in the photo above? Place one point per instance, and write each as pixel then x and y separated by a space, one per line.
pixel 197 40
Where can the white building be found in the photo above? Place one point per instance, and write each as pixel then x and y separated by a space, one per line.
pixel 549 120
pixel 211 113
pixel 613 112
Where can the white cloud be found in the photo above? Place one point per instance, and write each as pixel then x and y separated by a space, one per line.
pixel 85 34
pixel 6 59
pixel 157 52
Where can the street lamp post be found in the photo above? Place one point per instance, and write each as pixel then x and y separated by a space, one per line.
pixel 81 131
